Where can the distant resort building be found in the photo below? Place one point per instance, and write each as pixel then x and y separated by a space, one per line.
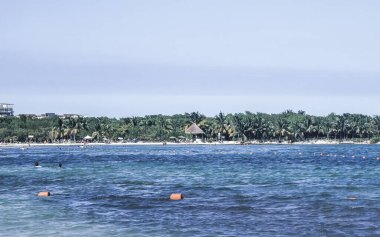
pixel 49 115
pixel 70 116
pixel 6 110
pixel 36 116
pixel 27 115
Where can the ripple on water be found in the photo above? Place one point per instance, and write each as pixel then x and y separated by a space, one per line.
pixel 267 190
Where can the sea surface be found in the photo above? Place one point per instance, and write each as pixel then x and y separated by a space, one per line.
pixel 253 190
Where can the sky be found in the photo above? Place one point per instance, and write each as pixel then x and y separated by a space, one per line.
pixel 120 58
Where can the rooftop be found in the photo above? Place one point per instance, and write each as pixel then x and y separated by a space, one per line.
pixel 194 129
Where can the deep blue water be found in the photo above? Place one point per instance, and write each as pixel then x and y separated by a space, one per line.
pixel 258 190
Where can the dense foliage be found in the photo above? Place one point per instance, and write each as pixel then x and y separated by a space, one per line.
pixel 288 126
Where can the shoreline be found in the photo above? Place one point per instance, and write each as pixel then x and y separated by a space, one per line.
pixel 317 142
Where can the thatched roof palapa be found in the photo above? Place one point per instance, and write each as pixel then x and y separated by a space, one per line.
pixel 194 129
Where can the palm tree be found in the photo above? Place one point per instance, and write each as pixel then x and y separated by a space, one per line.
pixel 195 117
pixel 58 131
pixel 74 127
pixel 332 125
pixel 222 126
pixel 342 126
pixel 98 131
pixel 376 125
pixel 132 125
pixel 164 126
pixel 262 127
pixel 178 126
pixel 239 126
pixel 108 131
pixel 146 124
pixel 282 130
pixel 298 129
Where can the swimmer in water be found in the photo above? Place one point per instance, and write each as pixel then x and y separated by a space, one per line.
pixel 36 164
pixel 60 165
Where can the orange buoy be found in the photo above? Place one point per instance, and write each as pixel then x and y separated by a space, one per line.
pixel 176 196
pixel 43 194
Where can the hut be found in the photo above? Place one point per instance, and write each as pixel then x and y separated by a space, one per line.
pixel 194 130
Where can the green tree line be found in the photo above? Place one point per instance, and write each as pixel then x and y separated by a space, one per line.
pixel 288 126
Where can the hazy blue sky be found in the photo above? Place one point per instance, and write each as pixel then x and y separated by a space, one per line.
pixel 123 58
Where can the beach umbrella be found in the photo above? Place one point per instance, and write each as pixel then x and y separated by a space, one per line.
pixel 120 138
pixel 172 138
pixel 87 137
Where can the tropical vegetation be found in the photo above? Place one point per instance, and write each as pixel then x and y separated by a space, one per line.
pixel 287 127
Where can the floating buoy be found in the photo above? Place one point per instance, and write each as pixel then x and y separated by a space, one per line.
pixel 176 196
pixel 44 194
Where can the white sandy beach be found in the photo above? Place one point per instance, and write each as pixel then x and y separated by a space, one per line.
pixel 314 142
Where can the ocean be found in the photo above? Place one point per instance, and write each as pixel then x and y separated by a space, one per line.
pixel 251 190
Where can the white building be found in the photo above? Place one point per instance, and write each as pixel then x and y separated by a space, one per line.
pixel 6 110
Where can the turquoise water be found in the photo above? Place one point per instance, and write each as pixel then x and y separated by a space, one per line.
pixel 258 190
